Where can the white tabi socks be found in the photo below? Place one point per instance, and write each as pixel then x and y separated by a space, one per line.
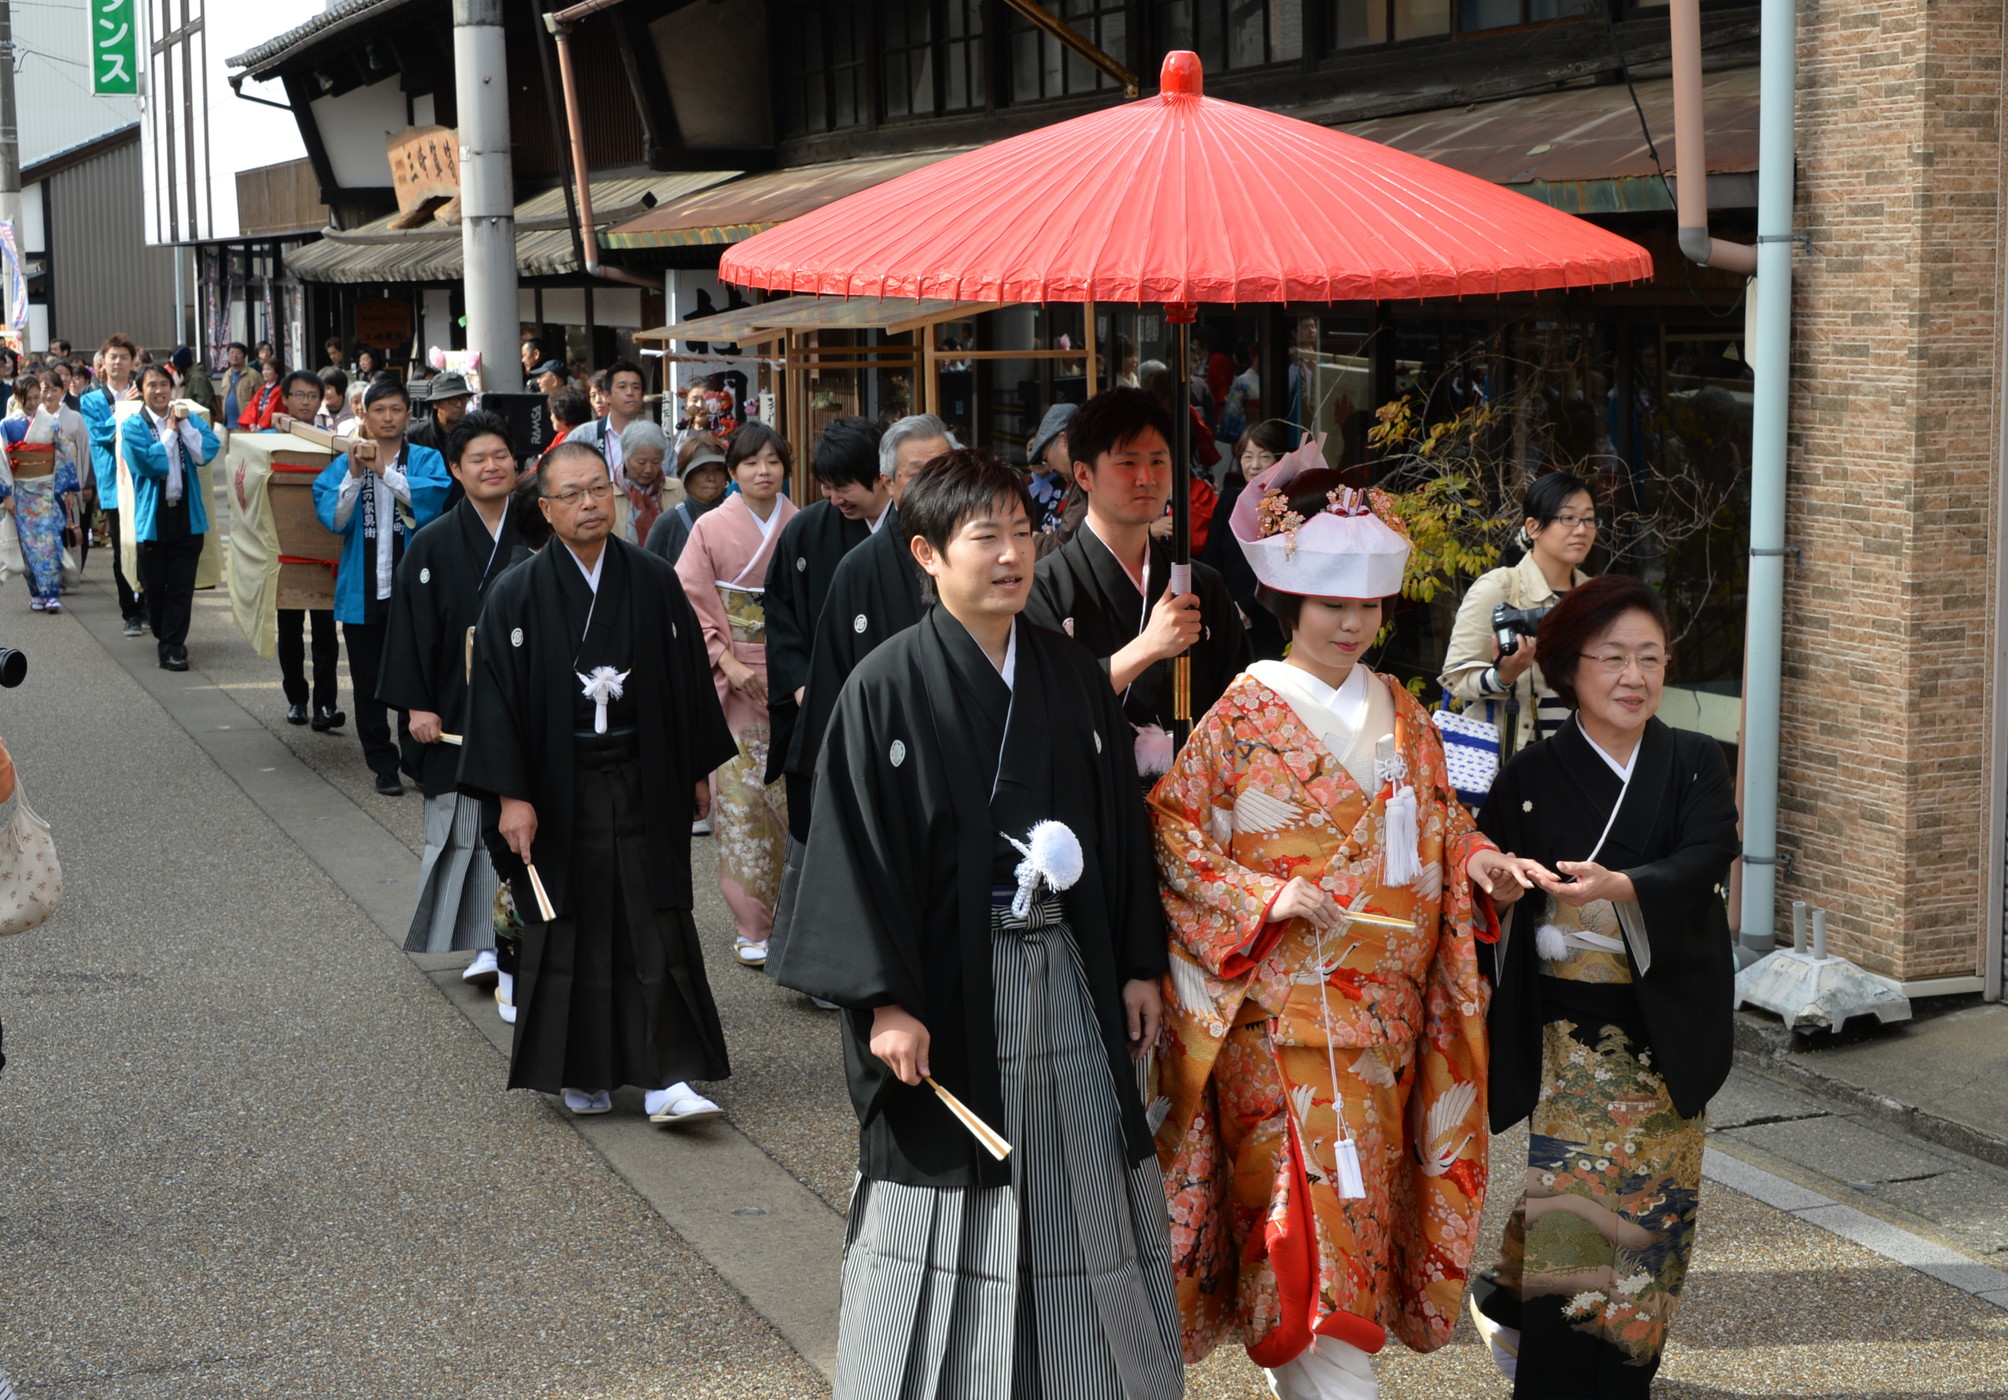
pixel 1329 1370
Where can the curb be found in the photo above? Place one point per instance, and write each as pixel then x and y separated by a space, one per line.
pixel 1766 1048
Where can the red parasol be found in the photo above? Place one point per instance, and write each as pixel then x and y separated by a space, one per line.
pixel 1182 198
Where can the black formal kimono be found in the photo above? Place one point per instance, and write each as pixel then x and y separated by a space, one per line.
pixel 798 580
pixel 1610 1029
pixel 441 580
pixel 613 990
pixel 1081 589
pixel 1061 1252
pixel 875 595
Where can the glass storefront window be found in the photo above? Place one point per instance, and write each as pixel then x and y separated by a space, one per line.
pixel 992 398
pixel 1233 34
pixel 1041 66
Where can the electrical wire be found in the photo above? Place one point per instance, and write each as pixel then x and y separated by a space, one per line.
pixel 1686 264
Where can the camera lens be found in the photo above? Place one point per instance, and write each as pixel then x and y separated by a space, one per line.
pixel 13 667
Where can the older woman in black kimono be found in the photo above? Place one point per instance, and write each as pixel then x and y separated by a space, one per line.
pixel 1610 1021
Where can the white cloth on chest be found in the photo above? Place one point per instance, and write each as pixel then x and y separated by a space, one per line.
pixel 592 574
pixel 884 511
pixel 766 525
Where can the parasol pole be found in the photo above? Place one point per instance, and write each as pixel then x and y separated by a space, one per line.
pixel 1180 315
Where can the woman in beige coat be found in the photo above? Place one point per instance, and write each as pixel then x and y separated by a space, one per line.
pixel 1559 532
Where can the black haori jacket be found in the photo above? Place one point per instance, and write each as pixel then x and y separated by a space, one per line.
pixel 900 858
pixel 1675 838
pixel 522 709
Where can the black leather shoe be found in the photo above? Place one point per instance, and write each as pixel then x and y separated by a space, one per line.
pixel 296 714
pixel 326 717
pixel 174 663
pixel 389 786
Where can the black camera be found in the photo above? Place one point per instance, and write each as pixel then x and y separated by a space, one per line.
pixel 1509 625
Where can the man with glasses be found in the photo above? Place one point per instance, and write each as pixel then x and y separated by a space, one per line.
pixel 592 730
pixel 376 505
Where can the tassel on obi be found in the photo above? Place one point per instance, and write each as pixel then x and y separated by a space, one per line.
pixel 1052 856
pixel 1154 751
pixel 1403 834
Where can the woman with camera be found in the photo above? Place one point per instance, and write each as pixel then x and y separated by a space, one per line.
pixel 1484 664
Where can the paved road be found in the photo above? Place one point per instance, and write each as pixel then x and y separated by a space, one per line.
pixel 253 1149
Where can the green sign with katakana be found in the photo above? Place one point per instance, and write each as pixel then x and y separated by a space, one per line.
pixel 114 49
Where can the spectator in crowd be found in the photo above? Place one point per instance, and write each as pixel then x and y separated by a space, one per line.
pixel 60 348
pixel 532 352
pixel 375 503
pixel 569 412
pixel 334 413
pixel 724 569
pixel 551 376
pixel 366 366
pixel 163 444
pixel 644 484
pixel 1259 448
pixel 1558 531
pixel 624 387
pixel 332 356
pixel 446 399
pixel 239 382
pixel 697 416
pixel 1051 468
pixel 700 462
pixel 596 392
pixel 194 379
pixel 265 400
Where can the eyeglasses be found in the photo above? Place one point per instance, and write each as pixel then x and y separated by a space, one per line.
pixel 1616 663
pixel 1569 523
pixel 599 491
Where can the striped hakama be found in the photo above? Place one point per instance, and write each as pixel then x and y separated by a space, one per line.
pixel 456 881
pixel 1058 1285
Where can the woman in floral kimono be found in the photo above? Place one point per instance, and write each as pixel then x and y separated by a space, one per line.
pixel 42 496
pixel 724 570
pixel 1322 1073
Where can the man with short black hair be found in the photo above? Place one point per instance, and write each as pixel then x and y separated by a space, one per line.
pixel 376 503
pixel 592 730
pixel 102 411
pixel 164 444
pixel 988 919
pixel 59 348
pixel 626 388
pixel 1109 586
pixel 237 383
pixel 442 581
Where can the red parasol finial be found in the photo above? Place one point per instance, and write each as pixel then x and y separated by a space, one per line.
pixel 1182 75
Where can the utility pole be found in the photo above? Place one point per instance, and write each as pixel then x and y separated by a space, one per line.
pixel 487 192
pixel 10 143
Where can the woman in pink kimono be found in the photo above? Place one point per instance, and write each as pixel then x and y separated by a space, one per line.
pixel 724 570
pixel 1321 1078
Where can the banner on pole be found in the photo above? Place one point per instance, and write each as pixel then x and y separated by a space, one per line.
pixel 114 48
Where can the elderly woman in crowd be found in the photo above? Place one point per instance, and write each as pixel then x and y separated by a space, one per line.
pixel 648 489
pixel 1323 1064
pixel 700 465
pixel 1610 1018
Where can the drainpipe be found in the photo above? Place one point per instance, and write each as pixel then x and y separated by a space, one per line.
pixel 1690 149
pixel 1764 628
pixel 589 236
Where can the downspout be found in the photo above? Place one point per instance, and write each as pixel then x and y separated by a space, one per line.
pixel 1690 149
pixel 1764 628
pixel 588 234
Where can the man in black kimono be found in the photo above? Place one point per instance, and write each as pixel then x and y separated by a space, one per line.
pixel 1022 987
pixel 592 726
pixel 1109 587
pixel 850 452
pixel 442 582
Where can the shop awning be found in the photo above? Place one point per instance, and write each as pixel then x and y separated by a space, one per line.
pixel 775 319
pixel 738 210
pixel 1581 150
pixel 376 252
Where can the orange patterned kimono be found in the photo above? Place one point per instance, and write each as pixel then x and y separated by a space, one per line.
pixel 1262 1242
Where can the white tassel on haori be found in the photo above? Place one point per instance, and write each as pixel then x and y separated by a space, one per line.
pixel 1052 856
pixel 1154 751
pixel 1403 834
pixel 602 687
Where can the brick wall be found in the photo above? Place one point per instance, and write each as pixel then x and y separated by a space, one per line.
pixel 1897 352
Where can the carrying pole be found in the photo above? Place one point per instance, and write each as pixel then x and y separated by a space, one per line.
pixel 487 193
pixel 1181 317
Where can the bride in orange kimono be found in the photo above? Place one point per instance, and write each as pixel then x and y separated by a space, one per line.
pixel 1321 1078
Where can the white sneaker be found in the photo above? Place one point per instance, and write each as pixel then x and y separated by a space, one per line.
pixel 679 1103
pixel 701 827
pixel 749 953
pixel 483 971
pixel 581 1102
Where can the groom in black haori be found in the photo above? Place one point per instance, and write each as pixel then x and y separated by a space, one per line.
pixel 592 726
pixel 987 918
